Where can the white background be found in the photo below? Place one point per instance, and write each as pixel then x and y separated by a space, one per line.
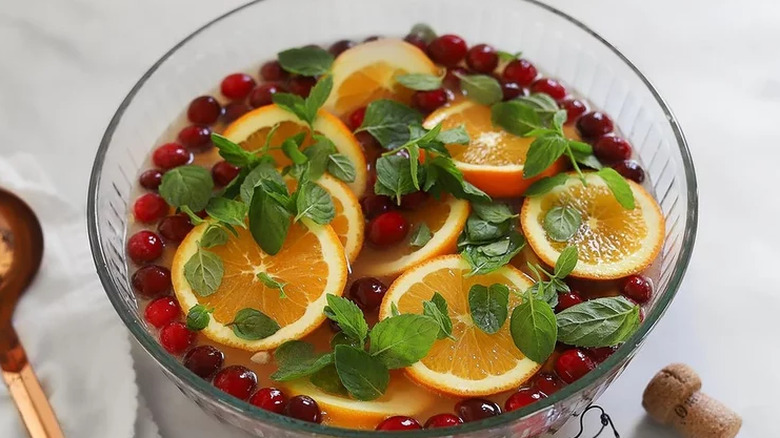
pixel 65 65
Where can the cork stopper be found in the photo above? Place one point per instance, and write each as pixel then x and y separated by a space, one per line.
pixel 673 398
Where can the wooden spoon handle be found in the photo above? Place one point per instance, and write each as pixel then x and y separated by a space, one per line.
pixel 32 403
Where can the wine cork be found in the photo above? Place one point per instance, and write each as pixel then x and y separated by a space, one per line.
pixel 673 398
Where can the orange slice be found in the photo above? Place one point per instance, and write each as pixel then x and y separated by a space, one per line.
pixel 476 363
pixel 312 263
pixel 613 242
pixel 367 72
pixel 251 130
pixel 493 160
pixel 445 219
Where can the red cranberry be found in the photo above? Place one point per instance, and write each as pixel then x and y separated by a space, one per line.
pixel 638 288
pixel 399 422
pixel 175 228
pixel 149 208
pixel 475 409
pixel 150 179
pixel 611 149
pixel 171 155
pixel 511 89
pixel 176 338
pixel 416 41
pixel 196 138
pixel 374 205
pixel 574 108
pixel 235 110
pixel 413 201
pixel 443 420
pixel 264 93
pixel 339 47
pixel 273 71
pixel 547 383
pixel 162 311
pixel 223 172
pixel 367 293
pixel 303 407
pixel 573 364
pixel 630 169
pixel 601 354
pixel 520 71
pixel 548 86
pixel 152 281
pixel 204 360
pixel 301 85
pixel 356 118
pixel 367 141
pixel 237 86
pixel 522 398
pixel 237 381
pixel 566 300
pixel 448 50
pixel 428 101
pixel 144 246
pixel 387 229
pixel 451 81
pixel 482 58
pixel 204 110
pixel 594 124
pixel 270 399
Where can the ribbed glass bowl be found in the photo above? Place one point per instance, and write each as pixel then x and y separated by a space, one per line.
pixel 241 40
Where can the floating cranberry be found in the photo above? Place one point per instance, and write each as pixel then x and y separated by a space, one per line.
pixel 264 94
pixel 416 41
pixel 429 101
pixel 149 207
pixel 367 141
pixel 175 228
pixel 547 383
pixel 451 80
pixel 367 293
pixel 399 422
pixel 442 420
pixel 387 229
pixel 356 118
pixel 511 89
pixel 235 110
pixel 144 246
pixel 223 172
pixel 273 71
pixel 611 149
pixel 301 85
pixel 152 281
pixel 237 381
pixel 176 338
pixel 196 138
pixel 150 179
pixel 475 409
pixel 482 58
pixel 630 169
pixel 414 200
pixel 574 108
pixel 522 398
pixel 550 87
pixel 171 155
pixel 270 399
pixel 638 288
pixel 237 86
pixel 303 407
pixel 573 364
pixel 601 354
pixel 375 205
pixel 204 360
pixel 162 311
pixel 520 71
pixel 594 124
pixel 448 50
pixel 566 300
pixel 204 110
pixel 339 47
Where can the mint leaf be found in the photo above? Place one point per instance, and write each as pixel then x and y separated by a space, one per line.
pixel 364 376
pixel 269 219
pixel 507 56
pixel 394 309
pixel 315 203
pixel 327 379
pixel 533 328
pixel 233 153
pixel 341 338
pixel 542 154
pixel 424 32
pixel 317 96
pixel 296 359
pixel 228 211
pixel 600 322
pixel 194 218
pixel 481 231
pixel 198 317
pixel 290 148
pixel 253 325
pixel 567 261
pixel 260 173
pixel 544 291
pixel 540 102
pixel 388 122
pixel 457 135
pixel 341 167
pixel 494 213
pixel 306 61
pixel 546 184
pixel 489 306
pixel 393 177
pixel 400 341
pixel 272 283
pixel 442 176
pixel 292 103
pixel 482 89
pixel 616 183
pixel 419 81
pixel 516 117
pixel 488 257
pixel 188 185
pixel 420 236
pixel 319 156
pixel 436 308
pixel 204 271
pixel 348 316
pixel 562 223
pixel 213 236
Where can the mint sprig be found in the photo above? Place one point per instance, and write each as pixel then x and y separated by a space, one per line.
pixel 534 329
pixel 488 306
pixel 437 309
pixel 198 317
pixel 490 238
pixel 306 61
pixel 482 89
pixel 253 325
pixel 420 81
pixel 600 322
pixel 272 283
pixel 188 185
pixel 388 122
pixel 562 223
pixel 296 359
pixel 348 316
pixel 364 375
pixel 306 109
pixel 402 340
pixel 420 236
pixel 547 290
pixel 204 271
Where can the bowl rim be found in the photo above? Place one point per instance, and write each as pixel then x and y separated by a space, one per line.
pixel 173 367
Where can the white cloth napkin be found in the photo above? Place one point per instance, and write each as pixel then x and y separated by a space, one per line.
pixel 76 343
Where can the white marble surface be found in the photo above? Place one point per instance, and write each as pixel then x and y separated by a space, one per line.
pixel 66 65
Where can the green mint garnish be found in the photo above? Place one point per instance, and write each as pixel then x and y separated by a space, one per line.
pixel 545 184
pixel 214 235
pixel 297 359
pixel 544 151
pixel 364 375
pixel 436 309
pixel 394 177
pixel 600 322
pixel 533 328
pixel 194 218
pixel 567 261
pixel 456 135
pixel 424 32
pixel 562 223
pixel 388 122
pixel 198 317
pixel 348 316
pixel 420 81
pixel 488 306
pixel 306 61
pixel 228 211
pixel 189 186
pixel 490 239
pixel 272 283
pixel 264 171
pixel 341 167
pixel 482 89
pixel 314 202
pixel 233 153
pixel 420 236
pixel 204 271
pixel 269 215
pixel 507 56
pixel 253 325
pixel 328 380
pixel 306 109
pixel 400 341
pixel 619 187
pixel 495 213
